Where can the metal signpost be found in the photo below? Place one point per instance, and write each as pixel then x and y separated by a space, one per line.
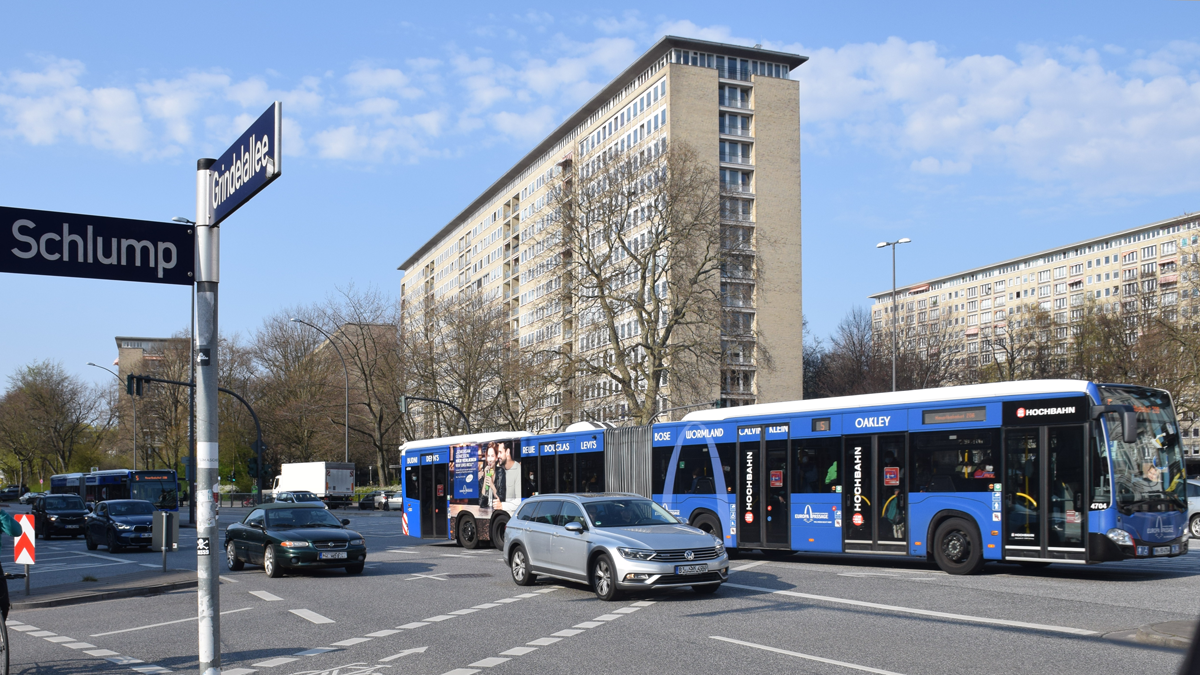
pixel 222 185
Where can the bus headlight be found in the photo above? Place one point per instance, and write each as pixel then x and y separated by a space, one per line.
pixel 1119 536
pixel 635 553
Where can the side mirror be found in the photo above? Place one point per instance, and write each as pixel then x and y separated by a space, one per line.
pixel 1129 426
pixel 345 521
pixel 574 526
pixel 89 507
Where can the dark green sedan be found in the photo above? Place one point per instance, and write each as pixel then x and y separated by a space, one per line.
pixel 285 536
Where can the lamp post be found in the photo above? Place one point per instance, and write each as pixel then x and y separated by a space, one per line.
pixel 893 244
pixel 345 370
pixel 132 404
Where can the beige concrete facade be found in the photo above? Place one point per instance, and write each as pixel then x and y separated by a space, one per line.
pixel 679 90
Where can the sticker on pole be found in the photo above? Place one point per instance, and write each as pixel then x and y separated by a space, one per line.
pixel 23 549
pixel 202 546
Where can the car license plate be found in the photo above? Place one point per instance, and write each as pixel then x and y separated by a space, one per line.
pixel 1162 550
pixel 71 527
pixel 334 555
pixel 691 569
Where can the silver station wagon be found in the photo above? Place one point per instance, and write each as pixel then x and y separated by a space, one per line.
pixel 614 542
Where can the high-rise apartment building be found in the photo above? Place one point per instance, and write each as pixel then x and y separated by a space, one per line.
pixel 1149 270
pixel 738 109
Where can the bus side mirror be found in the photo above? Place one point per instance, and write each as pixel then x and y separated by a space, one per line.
pixel 1129 426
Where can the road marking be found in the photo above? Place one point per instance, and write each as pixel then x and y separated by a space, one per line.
pixel 314 651
pixel 42 633
pixel 123 660
pixel 920 612
pixel 809 657
pixel 60 638
pixel 748 566
pixel 382 633
pixel 507 600
pixel 461 671
pixel 439 617
pixel 436 577
pixel 626 610
pixel 588 624
pixel 269 597
pixel 271 663
pixel 239 671
pixel 547 590
pixel 460 612
pixel 542 642
pixel 310 615
pixel 643 603
pixel 232 581
pixel 24 628
pixel 103 557
pixel 526 595
pixel 518 651
pixel 165 623
pixel 149 565
pixel 487 605
pixel 151 669
pixel 351 642
pixel 863 575
pixel 569 632
pixel 406 652
pixel 101 652
pixel 490 662
pixel 80 645
pixel 415 624
pixel 607 617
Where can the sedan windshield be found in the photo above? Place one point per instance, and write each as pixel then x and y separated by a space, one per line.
pixel 130 509
pixel 627 513
pixel 63 503
pixel 284 519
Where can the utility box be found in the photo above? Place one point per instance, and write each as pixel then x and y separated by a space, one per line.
pixel 165 531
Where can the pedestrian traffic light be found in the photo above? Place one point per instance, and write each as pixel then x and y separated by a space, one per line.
pixel 129 384
pixel 252 467
pixel 403 404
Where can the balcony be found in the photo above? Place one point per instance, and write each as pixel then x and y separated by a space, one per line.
pixel 736 217
pixel 736 159
pixel 734 103
pixel 736 131
pixel 735 188
pixel 734 74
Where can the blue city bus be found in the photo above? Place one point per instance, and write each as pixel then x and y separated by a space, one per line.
pixel 157 486
pixel 1034 472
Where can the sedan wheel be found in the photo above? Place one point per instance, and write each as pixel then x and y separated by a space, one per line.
pixel 520 568
pixel 235 563
pixel 87 539
pixel 1195 526
pixel 113 546
pixel 270 565
pixel 604 578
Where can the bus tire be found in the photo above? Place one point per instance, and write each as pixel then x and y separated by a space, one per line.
pixel 958 548
pixel 518 564
pixel 468 533
pixel 498 528
pixel 708 523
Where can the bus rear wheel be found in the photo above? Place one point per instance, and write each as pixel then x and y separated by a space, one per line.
pixel 957 547
pixel 707 523
pixel 498 528
pixel 468 535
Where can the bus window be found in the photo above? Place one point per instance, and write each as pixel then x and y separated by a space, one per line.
pixel 694 472
pixel 727 452
pixel 660 462
pixel 590 467
pixel 815 467
pixel 529 477
pixel 566 473
pixel 1101 479
pixel 410 483
pixel 955 461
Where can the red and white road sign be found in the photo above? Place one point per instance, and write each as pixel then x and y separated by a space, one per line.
pixel 23 549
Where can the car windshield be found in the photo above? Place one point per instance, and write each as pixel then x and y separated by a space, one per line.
pixel 627 512
pixel 63 503
pixel 305 497
pixel 130 508
pixel 285 519
pixel 1148 474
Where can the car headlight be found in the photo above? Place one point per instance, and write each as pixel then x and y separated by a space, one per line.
pixel 356 542
pixel 53 518
pixel 123 526
pixel 294 544
pixel 720 549
pixel 1119 536
pixel 635 553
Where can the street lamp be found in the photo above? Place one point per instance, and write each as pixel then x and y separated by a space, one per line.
pixel 893 244
pixel 345 370
pixel 132 404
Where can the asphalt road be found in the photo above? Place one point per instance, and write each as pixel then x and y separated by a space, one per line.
pixel 435 609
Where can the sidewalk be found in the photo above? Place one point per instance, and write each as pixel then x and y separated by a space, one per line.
pixel 1173 634
pixel 109 588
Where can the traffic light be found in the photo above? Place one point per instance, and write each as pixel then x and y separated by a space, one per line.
pixel 252 466
pixel 403 404
pixel 133 385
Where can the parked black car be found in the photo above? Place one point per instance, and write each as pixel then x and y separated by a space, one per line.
pixel 367 503
pixel 58 514
pixel 283 536
pixel 11 492
pixel 120 523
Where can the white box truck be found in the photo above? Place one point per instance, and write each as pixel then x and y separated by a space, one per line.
pixel 333 482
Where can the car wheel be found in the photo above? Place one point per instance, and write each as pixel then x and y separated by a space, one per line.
pixel 706 589
pixel 499 528
pixel 235 563
pixel 356 568
pixel 519 566
pixel 270 565
pixel 1194 526
pixel 113 545
pixel 957 547
pixel 604 578
pixel 468 535
pixel 91 545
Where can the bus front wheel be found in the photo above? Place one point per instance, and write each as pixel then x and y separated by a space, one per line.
pixel 957 547
pixel 468 535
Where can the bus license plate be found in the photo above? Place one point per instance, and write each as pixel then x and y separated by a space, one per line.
pixel 1162 550
pixel 691 569
pixel 334 555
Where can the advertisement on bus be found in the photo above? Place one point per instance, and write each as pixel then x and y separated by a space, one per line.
pixel 486 478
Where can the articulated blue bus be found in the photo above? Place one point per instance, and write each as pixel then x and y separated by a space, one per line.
pixel 157 486
pixel 1035 472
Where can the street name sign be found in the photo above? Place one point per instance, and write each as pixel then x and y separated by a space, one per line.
pixel 249 165
pixel 95 247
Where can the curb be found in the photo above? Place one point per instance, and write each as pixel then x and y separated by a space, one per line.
pixel 99 596
pixel 1150 635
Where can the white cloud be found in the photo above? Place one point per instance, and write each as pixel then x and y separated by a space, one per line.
pixel 932 165
pixel 528 126
pixel 630 22
pixel 367 81
pixel 685 28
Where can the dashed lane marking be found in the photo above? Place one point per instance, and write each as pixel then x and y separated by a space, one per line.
pixel 569 632
pixel 310 615
pixel 518 651
pixel 588 624
pixel 238 671
pixel 382 633
pixel 487 605
pixel 315 651
pixel 462 612
pixel 809 657
pixel 607 617
pixel 80 645
pixel 264 595
pixel 489 662
pixel 42 633
pixel 461 671
pixel 271 663
pixel 60 638
pixel 350 642
pixel 165 623
pixel 100 652
pixel 542 642
pixel 414 624
pixel 439 617
pixel 626 610
pixel 227 579
pixel 748 566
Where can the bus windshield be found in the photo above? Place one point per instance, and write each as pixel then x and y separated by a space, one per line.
pixel 1147 475
pixel 163 494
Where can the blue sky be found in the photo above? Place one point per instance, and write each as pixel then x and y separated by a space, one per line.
pixel 980 130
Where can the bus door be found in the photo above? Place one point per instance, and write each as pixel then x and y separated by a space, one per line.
pixel 875 494
pixel 1045 507
pixel 763 495
pixel 434 489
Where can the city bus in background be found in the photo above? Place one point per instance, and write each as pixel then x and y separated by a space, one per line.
pixel 157 486
pixel 1032 472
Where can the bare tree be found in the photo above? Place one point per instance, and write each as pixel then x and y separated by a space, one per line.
pixel 65 415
